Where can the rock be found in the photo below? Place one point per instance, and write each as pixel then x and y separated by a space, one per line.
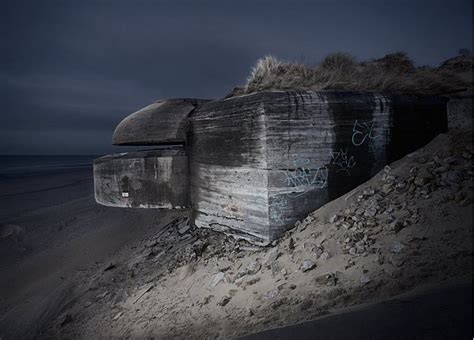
pixel 387 188
pixel 317 251
pixel 224 267
pixel 368 192
pixel 370 211
pixel 380 259
pixel 252 281
pixel 441 169
pixel 346 225
pixel 65 319
pixel 199 247
pixel 109 267
pixel 324 256
pixel 364 279
pixel 117 316
pixel 272 256
pixel 184 229
pixel 143 291
pixel 101 296
pixel 307 265
pixel 291 244
pixel 396 247
pixel 275 268
pixel 395 260
pixel 218 278
pixel 329 279
pixel 420 181
pixel 253 268
pixel 271 294
pixel 119 297
pixel 396 226
pixel 349 264
pixel 251 249
pixel 224 300
pixel 454 177
pixel 207 299
pixel 320 240
pixel 278 303
pixel 425 174
pixel 333 219
pixel 305 305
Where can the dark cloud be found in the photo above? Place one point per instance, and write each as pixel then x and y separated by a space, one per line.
pixel 71 70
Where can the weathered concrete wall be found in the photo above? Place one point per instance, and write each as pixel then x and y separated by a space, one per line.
pixel 228 162
pixel 143 179
pixel 164 121
pixel 260 162
pixel 460 112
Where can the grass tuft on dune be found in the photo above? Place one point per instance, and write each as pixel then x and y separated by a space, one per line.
pixel 394 73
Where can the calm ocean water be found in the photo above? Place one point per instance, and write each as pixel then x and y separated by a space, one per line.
pixel 13 166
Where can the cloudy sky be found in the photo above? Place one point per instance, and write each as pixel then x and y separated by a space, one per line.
pixel 70 70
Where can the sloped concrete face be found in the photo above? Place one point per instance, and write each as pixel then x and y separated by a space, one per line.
pixel 164 121
pixel 143 179
pixel 260 162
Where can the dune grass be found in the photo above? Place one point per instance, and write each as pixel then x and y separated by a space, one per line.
pixel 395 73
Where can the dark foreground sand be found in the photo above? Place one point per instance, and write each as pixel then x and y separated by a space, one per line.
pixel 51 228
pixel 440 312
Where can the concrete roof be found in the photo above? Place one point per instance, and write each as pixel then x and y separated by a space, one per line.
pixel 164 121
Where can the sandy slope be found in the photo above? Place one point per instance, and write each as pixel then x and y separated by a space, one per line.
pixel 410 225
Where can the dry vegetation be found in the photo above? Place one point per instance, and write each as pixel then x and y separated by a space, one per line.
pixel 395 73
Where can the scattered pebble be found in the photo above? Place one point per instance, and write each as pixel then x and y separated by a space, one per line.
pixel 224 301
pixel 307 265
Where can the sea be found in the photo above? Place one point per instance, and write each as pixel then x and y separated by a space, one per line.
pixel 21 166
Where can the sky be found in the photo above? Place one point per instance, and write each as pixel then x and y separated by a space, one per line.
pixel 71 70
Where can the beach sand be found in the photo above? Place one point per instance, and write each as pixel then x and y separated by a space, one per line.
pixel 51 228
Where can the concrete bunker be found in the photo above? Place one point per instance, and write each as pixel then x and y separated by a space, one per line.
pixel 257 163
pixel 152 178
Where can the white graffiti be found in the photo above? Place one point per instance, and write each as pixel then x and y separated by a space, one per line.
pixel 315 178
pixel 363 130
pixel 343 161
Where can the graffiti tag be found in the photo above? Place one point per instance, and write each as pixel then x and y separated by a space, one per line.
pixel 307 177
pixel 361 131
pixel 343 161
